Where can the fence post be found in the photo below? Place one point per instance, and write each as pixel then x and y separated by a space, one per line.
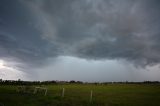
pixel 63 90
pixel 35 90
pixel 45 92
pixel 91 96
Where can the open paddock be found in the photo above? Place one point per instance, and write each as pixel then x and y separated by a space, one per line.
pixel 80 95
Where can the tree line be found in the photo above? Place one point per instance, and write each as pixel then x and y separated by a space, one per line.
pixel 20 82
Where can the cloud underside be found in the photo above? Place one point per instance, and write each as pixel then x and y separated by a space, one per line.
pixel 90 29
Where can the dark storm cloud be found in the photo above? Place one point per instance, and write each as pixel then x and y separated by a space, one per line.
pixel 19 38
pixel 35 30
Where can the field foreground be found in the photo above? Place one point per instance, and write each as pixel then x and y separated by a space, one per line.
pixel 80 95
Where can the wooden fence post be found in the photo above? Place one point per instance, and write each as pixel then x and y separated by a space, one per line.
pixel 63 90
pixel 91 96
pixel 45 92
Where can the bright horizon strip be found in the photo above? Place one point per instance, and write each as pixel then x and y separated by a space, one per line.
pixel 10 73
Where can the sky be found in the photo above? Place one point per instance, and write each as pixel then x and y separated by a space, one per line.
pixel 86 40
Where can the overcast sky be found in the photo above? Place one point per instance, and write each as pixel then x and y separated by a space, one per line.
pixel 87 40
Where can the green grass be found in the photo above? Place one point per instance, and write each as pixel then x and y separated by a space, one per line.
pixel 79 95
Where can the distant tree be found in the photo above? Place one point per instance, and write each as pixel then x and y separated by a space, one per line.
pixel 72 81
pixel 79 82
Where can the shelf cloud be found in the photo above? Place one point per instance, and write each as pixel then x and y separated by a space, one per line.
pixel 33 31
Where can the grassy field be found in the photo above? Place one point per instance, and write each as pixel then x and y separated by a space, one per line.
pixel 79 95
